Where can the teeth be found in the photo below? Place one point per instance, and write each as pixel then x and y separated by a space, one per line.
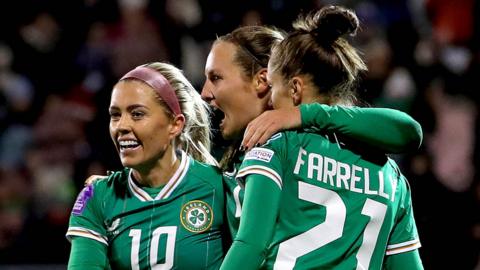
pixel 128 144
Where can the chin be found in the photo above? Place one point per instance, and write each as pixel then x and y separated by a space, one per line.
pixel 128 163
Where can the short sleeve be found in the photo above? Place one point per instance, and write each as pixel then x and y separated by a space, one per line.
pixel 265 160
pixel 86 218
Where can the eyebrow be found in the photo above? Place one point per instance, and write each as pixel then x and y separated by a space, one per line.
pixel 211 71
pixel 130 107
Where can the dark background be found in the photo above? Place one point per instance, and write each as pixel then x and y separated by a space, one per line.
pixel 60 59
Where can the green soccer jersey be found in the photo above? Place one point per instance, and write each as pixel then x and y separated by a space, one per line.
pixel 337 209
pixel 175 227
pixel 233 198
pixel 396 132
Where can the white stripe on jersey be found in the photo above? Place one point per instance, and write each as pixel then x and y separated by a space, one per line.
pixel 167 190
pixel 403 247
pixel 176 178
pixel 82 232
pixel 265 171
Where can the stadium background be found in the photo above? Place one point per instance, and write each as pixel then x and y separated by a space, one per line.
pixel 59 60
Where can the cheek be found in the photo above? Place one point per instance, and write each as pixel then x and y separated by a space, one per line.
pixel 111 130
pixel 232 91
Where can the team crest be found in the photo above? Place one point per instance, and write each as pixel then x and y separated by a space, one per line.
pixel 196 216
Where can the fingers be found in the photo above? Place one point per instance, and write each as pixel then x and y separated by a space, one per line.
pixel 253 138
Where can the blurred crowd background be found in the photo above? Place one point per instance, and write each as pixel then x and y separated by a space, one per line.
pixel 60 59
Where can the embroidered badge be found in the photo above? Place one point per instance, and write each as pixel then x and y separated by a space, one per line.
pixel 82 200
pixel 196 216
pixel 259 153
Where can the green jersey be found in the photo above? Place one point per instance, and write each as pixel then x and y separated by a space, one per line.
pixel 175 227
pixel 338 209
pixel 395 132
pixel 233 198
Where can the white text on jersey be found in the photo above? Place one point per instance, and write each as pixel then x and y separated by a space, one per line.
pixel 342 175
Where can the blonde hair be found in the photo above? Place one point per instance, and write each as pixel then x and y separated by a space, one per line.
pixel 195 138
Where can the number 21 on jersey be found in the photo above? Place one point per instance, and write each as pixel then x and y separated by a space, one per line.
pixel 331 229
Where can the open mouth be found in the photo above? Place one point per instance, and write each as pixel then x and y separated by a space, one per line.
pixel 127 145
pixel 218 116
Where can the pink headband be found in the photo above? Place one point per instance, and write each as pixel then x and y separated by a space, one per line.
pixel 158 82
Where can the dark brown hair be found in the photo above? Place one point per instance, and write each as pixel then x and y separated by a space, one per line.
pixel 316 48
pixel 254 46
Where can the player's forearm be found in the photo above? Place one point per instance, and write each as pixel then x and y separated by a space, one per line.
pixel 388 130
pixel 408 260
pixel 87 254
pixel 259 214
pixel 243 256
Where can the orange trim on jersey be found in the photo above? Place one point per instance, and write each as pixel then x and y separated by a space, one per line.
pixel 176 178
pixel 82 232
pixel 138 192
pixel 172 183
pixel 403 247
pixel 262 171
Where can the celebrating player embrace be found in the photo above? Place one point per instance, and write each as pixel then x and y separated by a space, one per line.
pixel 311 200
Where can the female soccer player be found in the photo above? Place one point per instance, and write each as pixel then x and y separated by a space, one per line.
pixel 165 209
pixel 311 200
pixel 236 84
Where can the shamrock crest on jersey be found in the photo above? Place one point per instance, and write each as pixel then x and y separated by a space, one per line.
pixel 196 216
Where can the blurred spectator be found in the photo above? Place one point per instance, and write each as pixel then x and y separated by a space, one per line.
pixel 57 61
pixel 17 92
pixel 135 38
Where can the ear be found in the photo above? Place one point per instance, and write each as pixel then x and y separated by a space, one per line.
pixel 177 125
pixel 297 86
pixel 260 81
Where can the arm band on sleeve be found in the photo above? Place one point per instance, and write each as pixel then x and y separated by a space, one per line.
pixel 87 254
pixel 259 215
pixel 388 130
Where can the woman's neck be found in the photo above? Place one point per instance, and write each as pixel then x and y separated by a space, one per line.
pixel 159 174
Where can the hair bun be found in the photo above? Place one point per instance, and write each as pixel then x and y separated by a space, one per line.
pixel 333 22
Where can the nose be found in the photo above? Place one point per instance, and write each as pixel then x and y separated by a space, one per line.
pixel 122 125
pixel 206 93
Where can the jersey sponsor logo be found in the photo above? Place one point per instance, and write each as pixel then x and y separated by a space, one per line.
pixel 259 153
pixel 82 200
pixel 196 216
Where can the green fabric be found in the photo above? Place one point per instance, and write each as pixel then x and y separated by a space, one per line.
pixel 181 227
pixel 87 254
pixel 234 199
pixel 337 210
pixel 388 130
pixel 261 202
pixel 408 260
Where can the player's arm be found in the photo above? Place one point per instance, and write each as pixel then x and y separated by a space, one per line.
pixel 87 254
pixel 389 130
pixel 259 214
pixel 408 260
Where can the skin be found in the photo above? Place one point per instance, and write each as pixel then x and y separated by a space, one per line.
pixel 286 95
pixel 290 93
pixel 137 116
pixel 228 89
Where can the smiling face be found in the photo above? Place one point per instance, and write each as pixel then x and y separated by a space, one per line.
pixel 140 126
pixel 228 89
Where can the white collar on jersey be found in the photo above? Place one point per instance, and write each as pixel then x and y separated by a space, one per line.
pixel 168 189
